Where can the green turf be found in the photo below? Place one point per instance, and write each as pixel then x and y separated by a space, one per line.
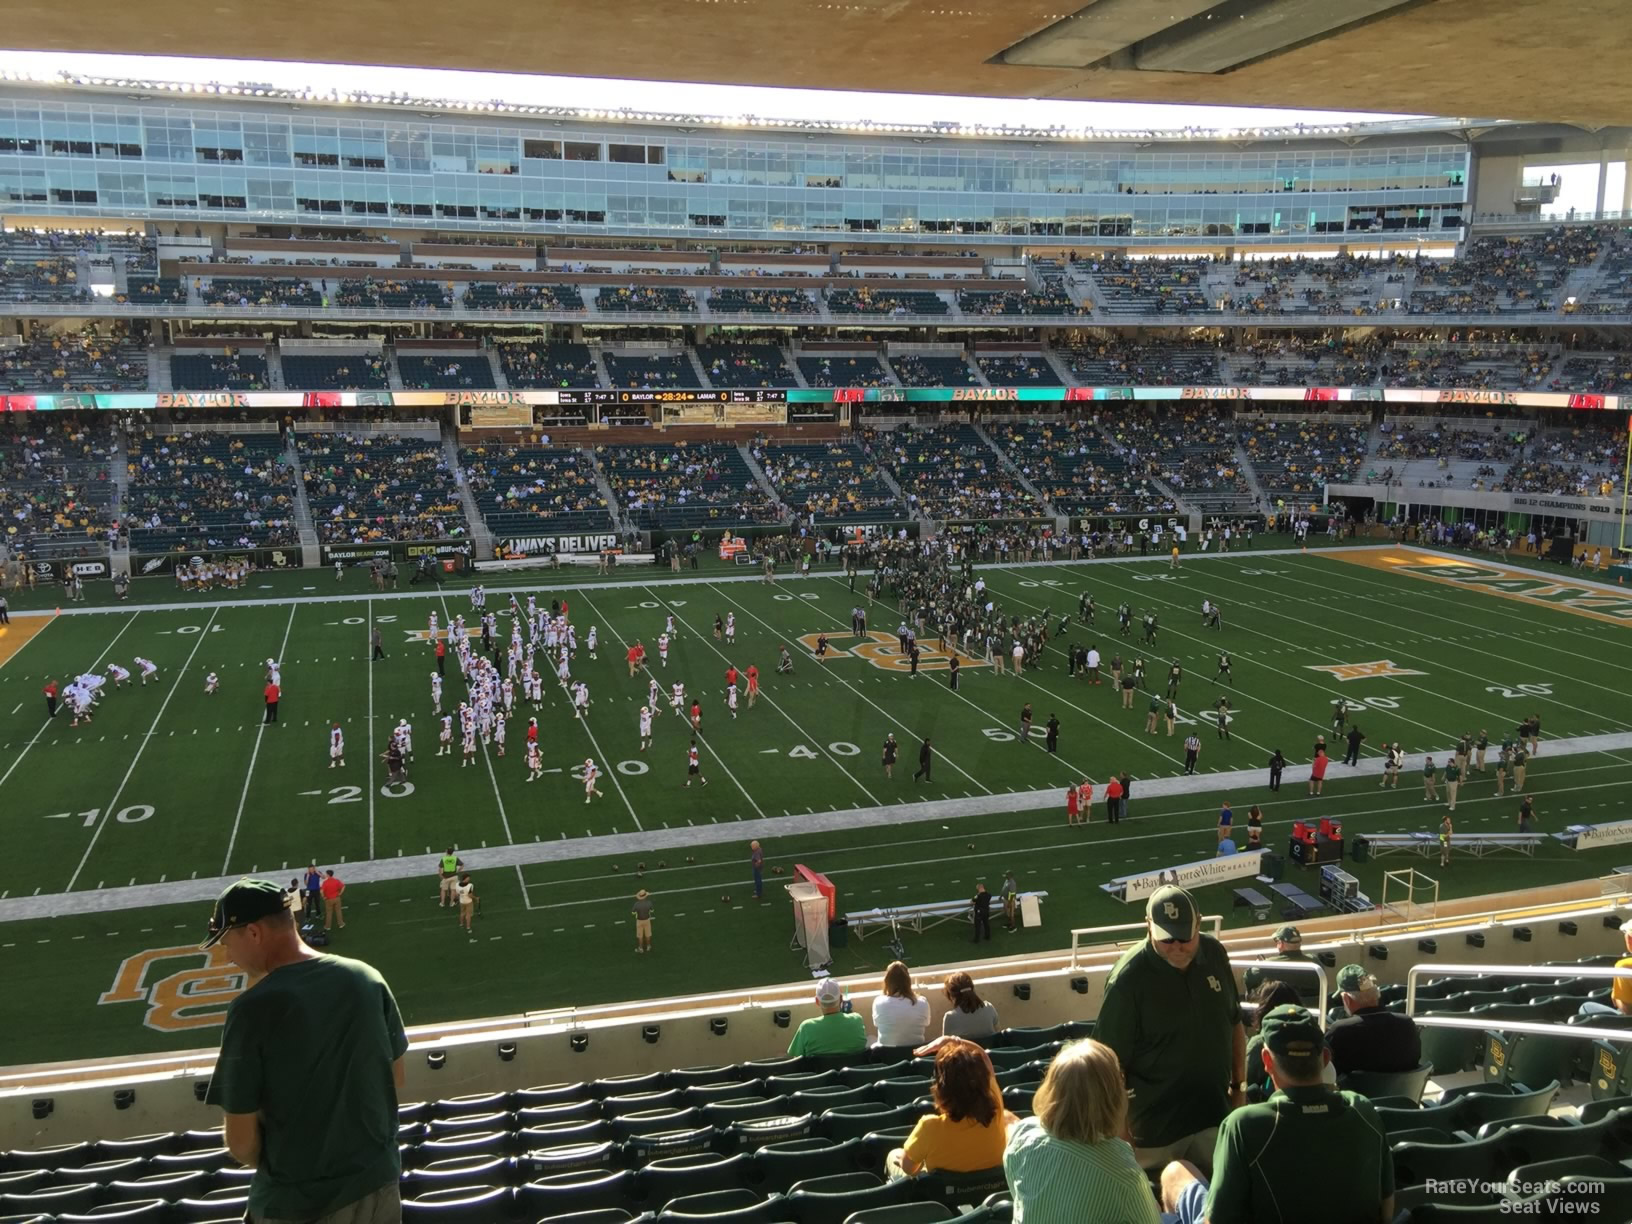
pixel 227 796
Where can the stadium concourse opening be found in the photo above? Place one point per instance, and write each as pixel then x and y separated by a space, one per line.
pixel 700 606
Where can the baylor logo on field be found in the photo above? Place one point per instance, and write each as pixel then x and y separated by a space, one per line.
pixel 192 998
pixel 1363 671
pixel 884 650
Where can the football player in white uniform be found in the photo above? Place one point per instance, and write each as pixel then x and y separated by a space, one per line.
pixel 436 692
pixel 149 668
pixel 580 699
pixel 445 738
pixel 119 675
pixel 337 747
pixel 212 682
pixel 590 641
pixel 663 648
pixel 677 700
pixel 498 732
pixel 645 727
pixel 590 775
pixel 535 762
pixel 730 628
pixel 405 739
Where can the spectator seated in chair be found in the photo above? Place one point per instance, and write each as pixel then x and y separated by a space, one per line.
pixel 969 1127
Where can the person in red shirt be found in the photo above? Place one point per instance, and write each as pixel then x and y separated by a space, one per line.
pixel 1317 771
pixel 271 701
pixel 332 913
pixel 696 715
pixel 753 684
pixel 441 656
pixel 51 698
pixel 1071 800
pixel 731 676
pixel 1113 800
pixel 634 656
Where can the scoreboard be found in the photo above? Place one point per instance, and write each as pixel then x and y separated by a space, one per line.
pixel 755 395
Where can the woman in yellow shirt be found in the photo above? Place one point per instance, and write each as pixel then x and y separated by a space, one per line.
pixel 969 1127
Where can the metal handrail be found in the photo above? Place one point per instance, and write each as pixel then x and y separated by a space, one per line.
pixel 1314 966
pixel 1513 971
pixel 1078 933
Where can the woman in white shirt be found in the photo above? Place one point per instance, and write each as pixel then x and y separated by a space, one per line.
pixel 899 1016
pixel 970 1015
pixel 466 892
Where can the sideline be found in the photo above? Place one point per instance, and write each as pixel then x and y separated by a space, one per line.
pixel 141 896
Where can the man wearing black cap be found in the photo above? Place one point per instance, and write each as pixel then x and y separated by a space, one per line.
pixel 309 1071
pixel 1172 1014
pixel 1288 948
pixel 1371 1038
pixel 1310 1152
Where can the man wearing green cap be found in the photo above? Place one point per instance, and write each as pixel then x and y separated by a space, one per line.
pixel 1371 1038
pixel 1173 1015
pixel 1288 949
pixel 309 1071
pixel 1310 1152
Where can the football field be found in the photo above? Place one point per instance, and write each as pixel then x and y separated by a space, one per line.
pixel 119 828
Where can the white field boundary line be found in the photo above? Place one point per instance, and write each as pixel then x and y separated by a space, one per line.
pixel 110 900
pixel 701 580
pixel 368 777
pixel 243 798
pixel 94 667
pixel 107 812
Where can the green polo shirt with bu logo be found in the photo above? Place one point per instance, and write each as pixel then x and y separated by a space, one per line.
pixel 1173 1032
pixel 1307 1153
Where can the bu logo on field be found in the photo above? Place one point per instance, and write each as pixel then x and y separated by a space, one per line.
pixel 1363 671
pixel 192 998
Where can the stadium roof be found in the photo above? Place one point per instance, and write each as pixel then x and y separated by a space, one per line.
pixel 1467 57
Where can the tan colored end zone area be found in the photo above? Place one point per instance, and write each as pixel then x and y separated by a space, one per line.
pixel 20 633
pixel 1595 602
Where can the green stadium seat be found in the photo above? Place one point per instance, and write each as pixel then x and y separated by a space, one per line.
pixel 955 1189
pixel 831 1200
pixel 61 1156
pixel 550 1094
pixel 1595 1109
pixel 1502 1124
pixel 624 1085
pixel 457 1171
pixel 724 1090
pixel 1475 1160
pixel 470 1143
pixel 1053 1034
pixel 802 1081
pixel 1450 1051
pixel 1529 1058
pixel 190 1182
pixel 133 1211
pixel 209 1210
pixel 603 1215
pixel 24 1181
pixel 855 1121
pixel 1594 1168
pixel 696 1077
pixel 706 1141
pixel 926 1212
pixel 787 1064
pixel 1457 1213
pixel 903 1091
pixel 779 1165
pixel 819 1100
pixel 726 1207
pixel 1420 1134
pixel 213 1138
pixel 105 1171
pixel 561 1111
pixel 463 1124
pixel 410 1111
pixel 748 1108
pixel 566 1157
pixel 1607 1198
pixel 1374 1084
pixel 473 1103
pixel 641 1102
pixel 998 1209
pixel 882 1064
pixel 457 1205
pixel 677 1176
pixel 136 1145
pixel 1522 1102
pixel 1610 1136
pixel 591 1130
pixel 582 1191
pixel 55 1199
pixel 756 1133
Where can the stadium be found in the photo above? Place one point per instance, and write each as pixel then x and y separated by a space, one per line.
pixel 541 500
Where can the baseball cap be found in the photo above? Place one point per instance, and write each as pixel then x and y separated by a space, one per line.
pixel 1352 978
pixel 829 992
pixel 1288 934
pixel 1172 911
pixel 1292 1031
pixel 241 903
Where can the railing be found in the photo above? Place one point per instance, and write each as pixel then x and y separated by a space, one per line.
pixel 1078 933
pixel 1513 1026
pixel 1315 967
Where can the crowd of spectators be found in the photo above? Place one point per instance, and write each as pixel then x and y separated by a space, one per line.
pixel 511 296
pixel 1076 469
pixel 540 363
pixel 1301 359
pixel 1190 448
pixel 1017 370
pixel 1604 373
pixel 1342 285
pixel 1146 286
pixel 898 303
pixel 688 485
pixel 45 279
pixel 649 370
pixel 843 372
pixel 371 487
pixel 335 371
pixel 745 365
pixel 761 301
pixel 949 472
pixel 1404 442
pixel 646 299
pixel 1051 299
pixel 524 489
pixel 155 291
pixel 465 372
pixel 828 482
pixel 202 490
pixel 92 358
pixel 1115 360
pixel 933 370
pixel 395 294
pixel 230 369
pixel 1295 460
pixel 245 291
pixel 56 482
pixel 1478 366
pixel 1576 460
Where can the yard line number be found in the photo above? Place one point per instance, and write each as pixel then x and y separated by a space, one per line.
pixel 134 814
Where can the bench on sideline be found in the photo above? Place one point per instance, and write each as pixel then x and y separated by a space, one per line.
pixel 557 560
pixel 1427 844
pixel 919 918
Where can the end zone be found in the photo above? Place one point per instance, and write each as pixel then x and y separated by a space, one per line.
pixel 19 633
pixel 1593 600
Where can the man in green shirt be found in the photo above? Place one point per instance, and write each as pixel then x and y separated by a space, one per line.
pixel 835 1031
pixel 1481 746
pixel 1173 1015
pixel 1453 780
pixel 1157 705
pixel 1310 1152
pixel 309 1069
pixel 1288 948
pixel 1430 792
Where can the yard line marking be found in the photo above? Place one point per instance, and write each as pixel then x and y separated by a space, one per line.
pixel 113 803
pixel 97 666
pixel 249 774
pixel 769 700
pixel 731 773
pixel 370 767
pixel 487 757
pixel 17 707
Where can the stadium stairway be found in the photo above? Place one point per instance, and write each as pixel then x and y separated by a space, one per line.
pixel 763 480
pixel 702 374
pixel 1013 468
pixel 393 376
pixel 1156 482
pixel 499 380
pixel 480 537
pixel 619 518
pixel 1058 366
pixel 274 368
pixel 793 366
pixel 1244 466
pixel 303 508
pixel 603 376
pixel 159 377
